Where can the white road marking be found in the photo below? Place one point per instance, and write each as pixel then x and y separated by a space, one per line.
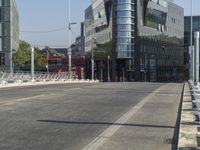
pixel 32 97
pixel 71 89
pixel 21 100
pixel 110 131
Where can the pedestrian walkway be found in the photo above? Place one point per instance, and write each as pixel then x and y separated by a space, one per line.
pixel 188 129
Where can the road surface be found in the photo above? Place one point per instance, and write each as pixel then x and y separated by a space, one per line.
pixel 100 116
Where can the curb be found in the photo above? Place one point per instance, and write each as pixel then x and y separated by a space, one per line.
pixel 187 131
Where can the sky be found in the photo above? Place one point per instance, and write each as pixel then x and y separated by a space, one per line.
pixel 47 15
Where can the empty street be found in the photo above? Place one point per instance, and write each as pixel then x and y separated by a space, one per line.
pixel 99 116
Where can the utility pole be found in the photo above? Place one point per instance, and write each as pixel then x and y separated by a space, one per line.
pixel 47 60
pixel 196 58
pixel 108 68
pixel 145 69
pixel 69 39
pixel 191 44
pixel 32 65
pixel 123 76
pixel 92 61
pixel 101 70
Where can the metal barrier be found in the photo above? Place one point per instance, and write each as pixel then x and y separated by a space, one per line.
pixel 16 77
pixel 195 92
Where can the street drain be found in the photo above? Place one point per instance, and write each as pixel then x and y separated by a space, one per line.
pixel 170 141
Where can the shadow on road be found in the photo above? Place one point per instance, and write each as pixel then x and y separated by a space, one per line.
pixel 104 123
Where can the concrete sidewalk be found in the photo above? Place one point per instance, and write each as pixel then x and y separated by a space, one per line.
pixel 188 129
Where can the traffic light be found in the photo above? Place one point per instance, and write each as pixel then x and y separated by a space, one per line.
pixel 163 47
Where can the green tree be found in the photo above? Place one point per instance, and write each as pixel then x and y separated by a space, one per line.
pixel 40 61
pixel 22 55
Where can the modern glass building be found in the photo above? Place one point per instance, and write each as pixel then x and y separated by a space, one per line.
pixel 9 33
pixel 187 37
pixel 124 27
pixel 147 39
pixel 187 28
pixel 98 22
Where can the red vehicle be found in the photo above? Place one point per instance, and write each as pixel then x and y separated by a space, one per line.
pixel 58 64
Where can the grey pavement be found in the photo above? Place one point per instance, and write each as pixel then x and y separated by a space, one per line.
pixel 109 116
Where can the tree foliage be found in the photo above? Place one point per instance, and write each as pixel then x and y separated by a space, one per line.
pixel 40 61
pixel 22 55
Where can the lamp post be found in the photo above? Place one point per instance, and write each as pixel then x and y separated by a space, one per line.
pixel 83 68
pixel 32 65
pixel 191 44
pixel 69 40
pixel 145 69
pixel 47 65
pixel 92 61
pixel 108 68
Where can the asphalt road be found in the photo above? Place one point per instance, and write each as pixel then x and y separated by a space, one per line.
pixel 114 116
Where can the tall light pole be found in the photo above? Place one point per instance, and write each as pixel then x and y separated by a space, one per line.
pixel 191 44
pixel 92 61
pixel 32 65
pixel 47 55
pixel 69 39
pixel 108 68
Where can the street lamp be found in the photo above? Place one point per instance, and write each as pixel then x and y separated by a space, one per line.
pixel 108 68
pixel 191 44
pixel 92 61
pixel 47 63
pixel 69 40
pixel 32 65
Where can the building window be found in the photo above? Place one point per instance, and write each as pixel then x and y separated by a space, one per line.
pixel 125 20
pixel 2 59
pixel 125 1
pixel 124 7
pixel 124 34
pixel 125 13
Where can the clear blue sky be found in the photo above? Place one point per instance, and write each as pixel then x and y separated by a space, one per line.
pixel 45 15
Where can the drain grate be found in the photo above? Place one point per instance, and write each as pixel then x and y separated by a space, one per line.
pixel 170 141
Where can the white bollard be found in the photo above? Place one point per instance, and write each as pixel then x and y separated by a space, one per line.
pixel 196 58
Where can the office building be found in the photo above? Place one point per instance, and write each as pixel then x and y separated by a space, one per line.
pixel 78 48
pixel 187 38
pixel 187 28
pixel 147 38
pixel 9 33
pixel 98 23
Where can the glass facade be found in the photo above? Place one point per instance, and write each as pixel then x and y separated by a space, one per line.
pixel 98 22
pixel 160 50
pixel 187 28
pixel 140 30
pixel 187 36
pixel 125 28
pixel 9 32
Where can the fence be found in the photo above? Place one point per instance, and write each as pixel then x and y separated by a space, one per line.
pixel 6 77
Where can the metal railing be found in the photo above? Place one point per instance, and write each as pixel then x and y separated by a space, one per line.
pixel 6 77
pixel 195 93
